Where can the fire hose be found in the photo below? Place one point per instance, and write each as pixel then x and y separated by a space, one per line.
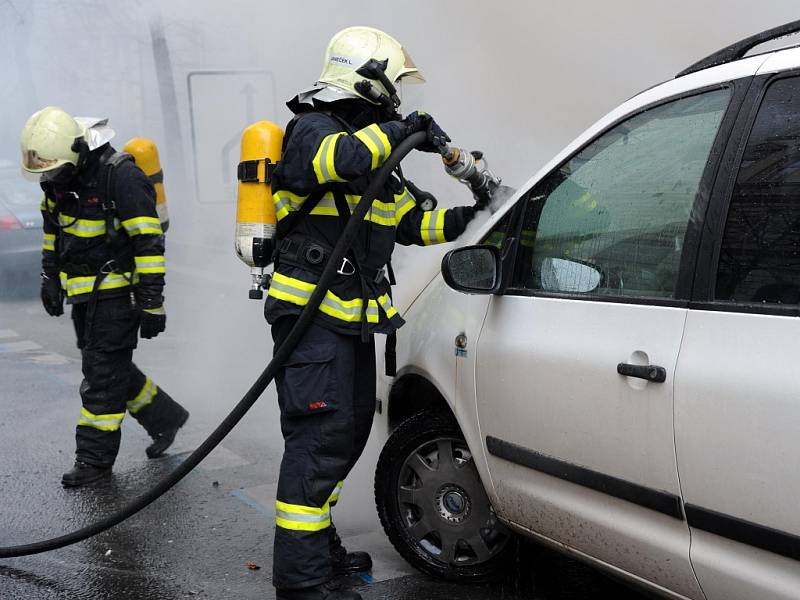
pixel 282 353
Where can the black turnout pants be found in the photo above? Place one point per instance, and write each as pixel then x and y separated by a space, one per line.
pixel 326 393
pixel 112 384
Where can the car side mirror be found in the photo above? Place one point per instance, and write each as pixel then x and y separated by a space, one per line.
pixel 473 269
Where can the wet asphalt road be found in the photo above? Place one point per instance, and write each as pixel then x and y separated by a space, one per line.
pixel 198 540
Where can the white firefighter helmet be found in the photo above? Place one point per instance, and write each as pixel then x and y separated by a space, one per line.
pixel 352 48
pixel 48 140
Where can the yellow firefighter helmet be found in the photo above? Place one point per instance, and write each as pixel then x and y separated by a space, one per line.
pixel 351 51
pixel 48 140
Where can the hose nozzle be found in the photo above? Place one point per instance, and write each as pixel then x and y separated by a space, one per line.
pixel 471 169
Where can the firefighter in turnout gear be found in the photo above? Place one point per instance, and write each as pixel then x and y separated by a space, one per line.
pixel 343 130
pixel 103 250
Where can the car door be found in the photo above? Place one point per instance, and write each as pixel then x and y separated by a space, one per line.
pixel 737 391
pixel 578 452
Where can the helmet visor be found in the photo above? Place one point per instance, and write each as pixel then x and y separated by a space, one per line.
pixel 31 161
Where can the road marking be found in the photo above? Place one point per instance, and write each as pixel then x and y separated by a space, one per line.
pixel 50 358
pixel 23 346
pixel 8 333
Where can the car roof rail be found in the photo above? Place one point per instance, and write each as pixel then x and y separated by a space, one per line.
pixel 742 47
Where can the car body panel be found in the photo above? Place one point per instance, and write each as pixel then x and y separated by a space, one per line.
pixel 564 399
pixel 737 415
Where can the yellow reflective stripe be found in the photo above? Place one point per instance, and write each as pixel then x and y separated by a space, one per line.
pixel 432 227
pixel 85 228
pixel 386 305
pixel 326 207
pixel 323 161
pixel 528 237
pixel 585 201
pixel 381 213
pixel 286 202
pixel 425 228
pixel 144 397
pixel 142 226
pixel 74 286
pixel 298 292
pixel 376 142
pixel 302 518
pixel 47 204
pixel 49 242
pixel 150 264
pixel 403 203
pixel 110 422
pixel 334 498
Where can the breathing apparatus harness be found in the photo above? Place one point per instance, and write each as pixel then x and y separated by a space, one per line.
pixel 308 253
pixel 282 353
pixel 122 260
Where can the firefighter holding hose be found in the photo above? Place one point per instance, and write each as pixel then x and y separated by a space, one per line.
pixel 344 129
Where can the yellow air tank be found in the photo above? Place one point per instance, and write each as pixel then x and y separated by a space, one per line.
pixel 145 154
pixel 256 221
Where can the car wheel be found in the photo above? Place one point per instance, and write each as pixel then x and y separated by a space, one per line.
pixel 432 503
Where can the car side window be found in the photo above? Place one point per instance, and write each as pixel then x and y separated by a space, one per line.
pixel 760 256
pixel 612 220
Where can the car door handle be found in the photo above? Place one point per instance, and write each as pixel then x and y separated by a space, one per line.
pixel 652 373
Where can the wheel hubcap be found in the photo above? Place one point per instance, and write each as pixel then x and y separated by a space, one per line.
pixel 452 503
pixel 445 509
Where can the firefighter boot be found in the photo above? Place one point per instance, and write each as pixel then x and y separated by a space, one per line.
pixel 344 562
pixel 163 440
pixel 83 473
pixel 325 591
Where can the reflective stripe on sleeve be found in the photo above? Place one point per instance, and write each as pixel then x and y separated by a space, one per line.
pixel 376 142
pixel 403 203
pixel 299 292
pixel 142 226
pixel 302 518
pixel 74 286
pixel 110 422
pixel 144 397
pixel 47 204
pixel 150 264
pixel 335 493
pixel 324 159
pixel 386 305
pixel 432 228
pixel 286 202
pixel 49 242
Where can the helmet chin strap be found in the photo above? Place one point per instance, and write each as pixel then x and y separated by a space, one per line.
pixel 375 70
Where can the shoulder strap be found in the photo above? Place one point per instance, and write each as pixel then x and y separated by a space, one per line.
pixel 106 190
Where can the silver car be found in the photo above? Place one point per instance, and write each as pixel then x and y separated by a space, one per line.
pixel 20 229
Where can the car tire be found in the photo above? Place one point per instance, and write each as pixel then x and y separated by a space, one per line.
pixel 433 506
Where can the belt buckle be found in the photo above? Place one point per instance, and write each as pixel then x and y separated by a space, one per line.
pixel 380 275
pixel 345 264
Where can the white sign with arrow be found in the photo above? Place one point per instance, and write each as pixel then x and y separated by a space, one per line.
pixel 222 104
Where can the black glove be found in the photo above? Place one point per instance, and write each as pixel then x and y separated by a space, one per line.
pixel 420 121
pixel 52 296
pixel 153 322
